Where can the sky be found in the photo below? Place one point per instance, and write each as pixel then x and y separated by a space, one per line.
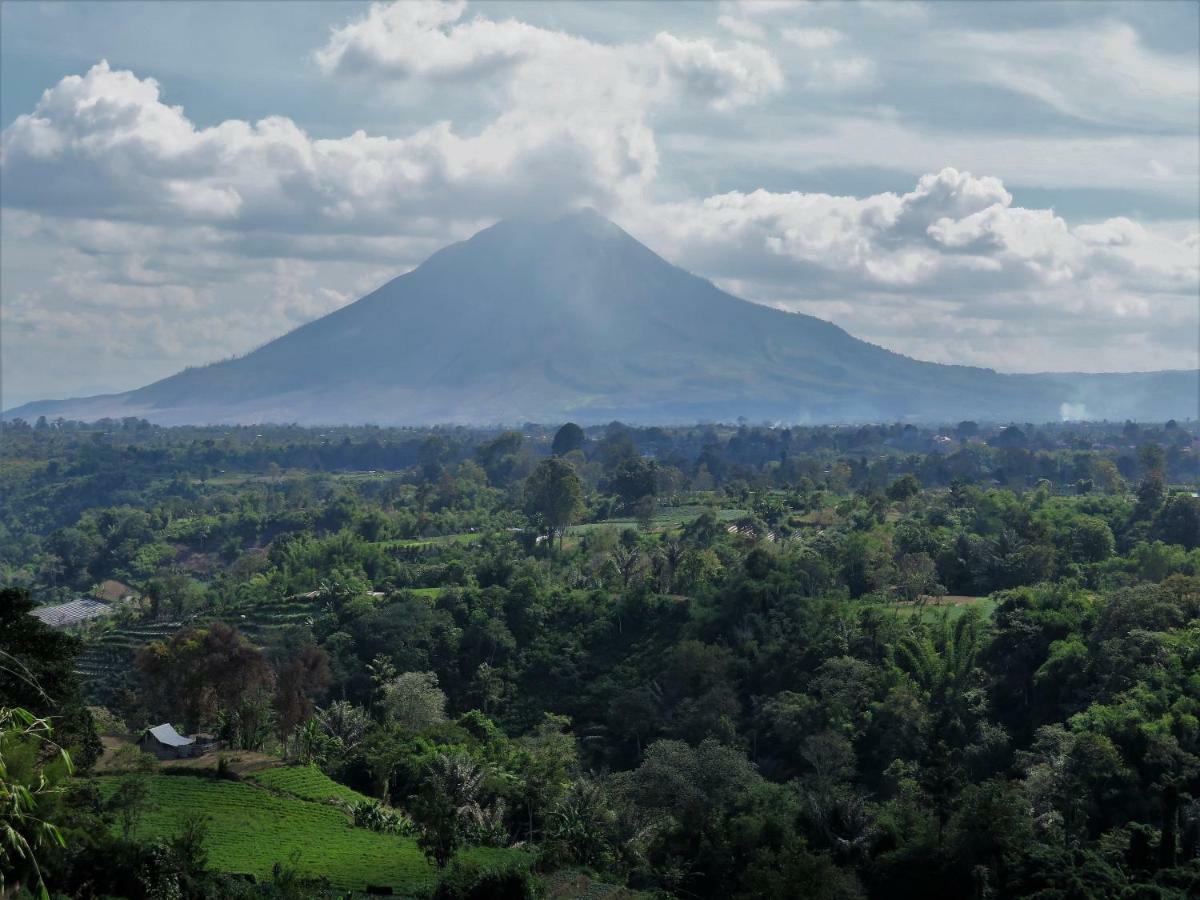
pixel 1008 185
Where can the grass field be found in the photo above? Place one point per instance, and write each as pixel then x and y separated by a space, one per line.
pixel 430 592
pixel 251 828
pixel 467 537
pixel 953 604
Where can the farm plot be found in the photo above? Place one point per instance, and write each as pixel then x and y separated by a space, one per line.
pixel 445 540
pixel 933 608
pixel 250 829
pixel 665 518
pixel 306 783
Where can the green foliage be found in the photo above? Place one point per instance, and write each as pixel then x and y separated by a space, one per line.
pixel 554 494
pixel 372 815
pixel 472 881
pixel 28 788
pixel 879 661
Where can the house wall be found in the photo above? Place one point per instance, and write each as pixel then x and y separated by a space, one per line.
pixel 150 745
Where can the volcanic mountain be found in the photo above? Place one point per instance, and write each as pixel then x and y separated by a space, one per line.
pixel 574 319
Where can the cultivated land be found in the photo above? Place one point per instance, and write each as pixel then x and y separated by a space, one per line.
pixel 286 817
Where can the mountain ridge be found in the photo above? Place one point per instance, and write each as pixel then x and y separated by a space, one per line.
pixel 545 320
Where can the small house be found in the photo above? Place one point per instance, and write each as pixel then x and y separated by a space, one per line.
pixel 114 591
pixel 166 743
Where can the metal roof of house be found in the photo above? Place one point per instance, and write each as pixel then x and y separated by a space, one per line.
pixel 166 734
pixel 64 614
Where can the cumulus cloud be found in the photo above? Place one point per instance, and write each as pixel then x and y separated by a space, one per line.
pixel 956 256
pixel 426 38
pixel 162 242
pixel 952 232
pixel 429 39
pixel 106 145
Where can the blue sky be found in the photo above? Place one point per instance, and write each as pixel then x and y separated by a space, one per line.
pixel 1011 185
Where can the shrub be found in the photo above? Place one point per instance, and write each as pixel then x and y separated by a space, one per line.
pixel 473 881
pixel 376 817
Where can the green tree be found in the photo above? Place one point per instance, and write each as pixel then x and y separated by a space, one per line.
pixel 1178 522
pixel 554 495
pixel 1091 540
pixel 414 700
pixel 446 804
pixel 634 479
pixel 904 488
pixel 1107 476
pixel 28 788
pixel 548 761
pixel 569 437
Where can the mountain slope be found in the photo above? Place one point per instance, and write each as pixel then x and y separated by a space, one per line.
pixel 573 318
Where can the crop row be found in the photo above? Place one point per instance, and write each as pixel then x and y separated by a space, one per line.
pixel 250 829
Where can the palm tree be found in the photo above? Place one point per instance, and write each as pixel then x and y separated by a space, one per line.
pixel 447 805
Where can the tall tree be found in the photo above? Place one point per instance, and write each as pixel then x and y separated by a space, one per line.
pixel 199 673
pixel 299 682
pixel 554 494
pixel 569 437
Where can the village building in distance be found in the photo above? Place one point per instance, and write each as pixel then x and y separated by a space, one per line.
pixel 167 743
pixel 75 612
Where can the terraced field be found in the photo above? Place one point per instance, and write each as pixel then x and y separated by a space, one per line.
pixel 260 621
pixel 445 540
pixel 251 828
pixel 108 659
pixel 305 783
pixel 667 517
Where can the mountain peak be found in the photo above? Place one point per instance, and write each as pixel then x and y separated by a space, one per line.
pixel 585 221
pixel 568 316
pixel 588 219
pixel 564 239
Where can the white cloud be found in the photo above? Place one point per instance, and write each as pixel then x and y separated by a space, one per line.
pixel 743 28
pixel 812 38
pixel 1119 162
pixel 105 145
pixel 157 242
pixel 821 63
pixel 764 8
pixel 427 39
pixel 952 229
pixel 952 271
pixel 1099 72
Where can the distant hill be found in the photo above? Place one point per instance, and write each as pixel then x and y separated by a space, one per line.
pixel 575 319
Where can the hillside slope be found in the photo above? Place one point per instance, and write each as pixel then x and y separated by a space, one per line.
pixel 573 318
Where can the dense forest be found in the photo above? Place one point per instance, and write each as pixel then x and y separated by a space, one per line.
pixel 714 661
